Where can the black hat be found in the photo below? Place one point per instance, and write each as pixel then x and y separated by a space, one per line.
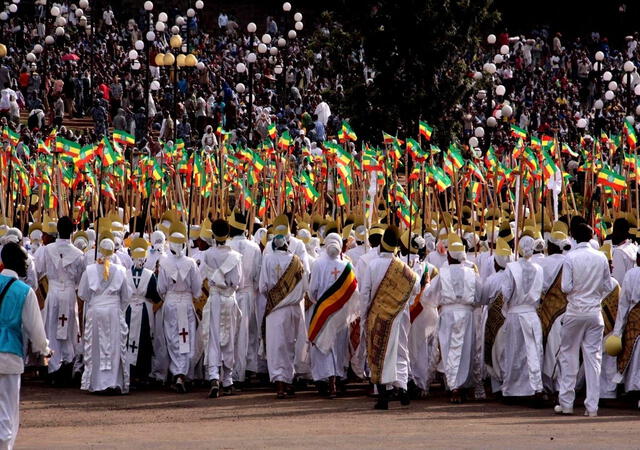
pixel 390 239
pixel 220 229
pixel 238 220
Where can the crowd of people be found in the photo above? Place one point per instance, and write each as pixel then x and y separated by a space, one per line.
pixel 57 82
pixel 487 293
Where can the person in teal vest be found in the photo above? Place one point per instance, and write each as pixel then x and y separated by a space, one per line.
pixel 20 320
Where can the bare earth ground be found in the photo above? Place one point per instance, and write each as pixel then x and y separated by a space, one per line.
pixel 69 418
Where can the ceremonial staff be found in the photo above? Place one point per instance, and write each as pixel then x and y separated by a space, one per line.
pixel 193 172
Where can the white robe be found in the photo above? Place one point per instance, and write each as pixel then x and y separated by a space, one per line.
pixel 359 355
pixel 221 314
pixel 329 356
pixel 297 247
pixel 423 337
pixel 283 322
pixel 179 282
pixel 356 253
pixel 522 364
pixel 105 329
pixel 395 370
pixel 63 265
pixel 456 289
pixel 247 337
pixel 623 258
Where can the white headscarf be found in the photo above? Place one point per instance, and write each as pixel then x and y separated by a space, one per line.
pixel 526 246
pixel 333 245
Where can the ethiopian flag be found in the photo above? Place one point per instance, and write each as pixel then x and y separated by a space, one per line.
pixel 108 154
pixel 518 132
pixel 123 138
pixel 68 148
pixel 262 210
pixel 632 139
pixel 347 132
pixel 342 196
pixel 455 157
pixel 425 130
pixel 614 180
pixel 86 155
pixel 285 141
pixel 271 129
pixel 442 179
pixel 549 167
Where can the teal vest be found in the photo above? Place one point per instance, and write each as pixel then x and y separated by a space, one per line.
pixel 11 316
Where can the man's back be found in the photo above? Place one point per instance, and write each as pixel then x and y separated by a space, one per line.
pixel 585 278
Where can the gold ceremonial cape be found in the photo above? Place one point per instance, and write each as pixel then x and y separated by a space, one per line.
pixel 283 287
pixel 610 309
pixel 629 338
pixel 553 304
pixel 392 295
pixel 495 320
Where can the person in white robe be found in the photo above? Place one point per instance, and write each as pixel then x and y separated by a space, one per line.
pixel 423 316
pixel 395 368
pixel 20 321
pixel 35 238
pixel 329 352
pixel 105 290
pixel 586 279
pixel 485 259
pixel 221 314
pixel 248 333
pixel 457 288
pixel 179 282
pixel 63 265
pixel 281 324
pixel 359 354
pixel 551 267
pixel 360 247
pixel 629 298
pixel 491 290
pixel 439 257
pixel 623 255
pixel 297 247
pixel 521 289
pixel 139 313
pixel 156 251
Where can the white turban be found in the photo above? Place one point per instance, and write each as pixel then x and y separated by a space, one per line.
pixel 13 235
pixel 36 235
pixel 525 246
pixel 257 236
pixel 430 242
pixel 333 244
pixel 108 246
pixel 459 256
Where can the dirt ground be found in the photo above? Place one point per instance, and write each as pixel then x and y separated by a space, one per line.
pixel 68 418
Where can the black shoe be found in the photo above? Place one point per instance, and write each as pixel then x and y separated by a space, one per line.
pixel 382 404
pixel 383 398
pixel 179 387
pixel 404 397
pixel 214 391
pixel 228 390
